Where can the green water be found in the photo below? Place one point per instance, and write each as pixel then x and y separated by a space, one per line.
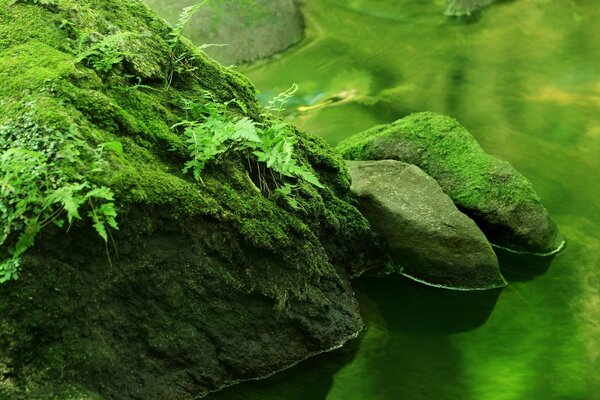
pixel 524 78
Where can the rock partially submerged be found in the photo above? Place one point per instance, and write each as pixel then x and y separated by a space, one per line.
pixel 429 239
pixel 234 31
pixel 500 200
pixel 213 282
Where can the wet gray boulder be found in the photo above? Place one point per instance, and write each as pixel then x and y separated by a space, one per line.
pixel 498 198
pixel 429 239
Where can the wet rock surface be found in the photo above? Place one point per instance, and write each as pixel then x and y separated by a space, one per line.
pixel 429 239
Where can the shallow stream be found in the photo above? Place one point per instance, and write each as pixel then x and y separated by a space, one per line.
pixel 524 78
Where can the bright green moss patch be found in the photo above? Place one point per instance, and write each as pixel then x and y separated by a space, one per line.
pixel 99 106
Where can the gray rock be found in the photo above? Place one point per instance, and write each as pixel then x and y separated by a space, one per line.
pixel 244 31
pixel 498 198
pixel 430 240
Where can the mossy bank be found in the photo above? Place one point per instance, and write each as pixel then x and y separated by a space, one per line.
pixel 208 282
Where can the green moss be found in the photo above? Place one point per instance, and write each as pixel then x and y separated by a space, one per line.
pixel 225 230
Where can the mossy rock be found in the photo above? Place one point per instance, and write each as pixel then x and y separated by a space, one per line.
pixel 213 282
pixel 498 198
pixel 429 239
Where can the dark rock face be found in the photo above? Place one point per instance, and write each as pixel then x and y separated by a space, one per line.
pixel 429 239
pixel 498 198
pixel 213 282
pixel 181 313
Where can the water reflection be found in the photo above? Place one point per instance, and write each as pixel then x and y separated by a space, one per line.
pixel 522 267
pixel 411 307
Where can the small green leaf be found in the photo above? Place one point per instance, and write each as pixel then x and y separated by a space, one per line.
pixel 99 226
pixel 101 193
pixel 115 146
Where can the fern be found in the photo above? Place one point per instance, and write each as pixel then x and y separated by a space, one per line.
pixel 276 104
pixel 186 15
pixel 217 132
pixel 285 192
pixel 104 54
pixel 35 192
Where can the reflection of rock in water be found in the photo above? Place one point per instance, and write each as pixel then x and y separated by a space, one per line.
pixel 458 8
pixel 411 307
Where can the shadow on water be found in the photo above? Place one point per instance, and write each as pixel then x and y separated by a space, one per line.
pixel 310 380
pixel 412 307
pixel 522 267
pixel 409 341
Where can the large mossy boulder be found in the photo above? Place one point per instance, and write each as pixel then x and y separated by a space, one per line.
pixel 429 240
pixel 498 198
pixel 206 282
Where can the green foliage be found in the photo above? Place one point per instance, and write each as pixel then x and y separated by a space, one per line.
pixel 285 192
pixel 269 149
pixel 178 62
pixel 103 53
pixel 38 188
pixel 186 15
pixel 276 104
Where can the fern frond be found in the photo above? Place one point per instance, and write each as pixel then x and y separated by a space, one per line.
pixel 186 15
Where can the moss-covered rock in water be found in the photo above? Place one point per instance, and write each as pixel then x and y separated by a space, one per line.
pixel 237 31
pixel 498 198
pixel 207 282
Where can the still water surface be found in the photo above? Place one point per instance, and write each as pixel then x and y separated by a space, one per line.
pixel 524 78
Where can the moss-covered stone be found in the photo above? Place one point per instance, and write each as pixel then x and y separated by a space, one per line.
pixel 213 282
pixel 500 200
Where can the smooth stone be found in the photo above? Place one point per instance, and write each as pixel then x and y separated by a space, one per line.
pixel 429 239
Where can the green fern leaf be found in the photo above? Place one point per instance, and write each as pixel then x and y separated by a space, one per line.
pixel 101 229
pixel 103 193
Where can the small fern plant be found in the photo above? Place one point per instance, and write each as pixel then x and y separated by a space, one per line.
pixel 268 149
pixel 36 192
pixel 184 18
pixel 104 53
pixel 177 63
